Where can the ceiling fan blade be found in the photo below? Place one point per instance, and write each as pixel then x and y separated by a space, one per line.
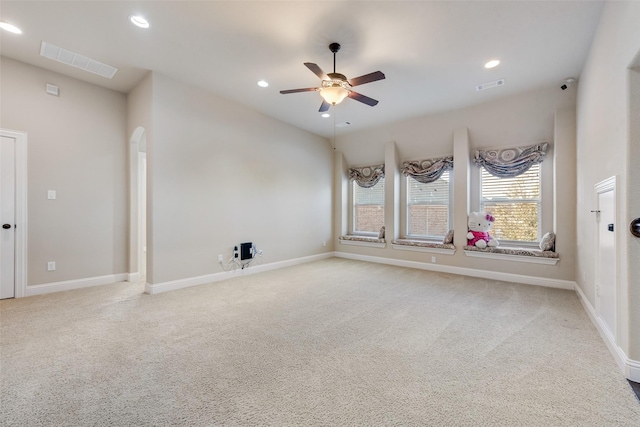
pixel 364 99
pixel 324 106
pixel 316 70
pixel 307 89
pixel 367 78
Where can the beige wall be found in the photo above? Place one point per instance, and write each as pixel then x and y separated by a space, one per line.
pixel 221 174
pixel 515 121
pixel 603 124
pixel 77 147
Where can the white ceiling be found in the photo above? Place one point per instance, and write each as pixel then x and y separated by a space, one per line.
pixel 432 52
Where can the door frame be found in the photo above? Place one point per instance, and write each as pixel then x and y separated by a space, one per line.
pixel 137 144
pixel 605 186
pixel 142 219
pixel 21 210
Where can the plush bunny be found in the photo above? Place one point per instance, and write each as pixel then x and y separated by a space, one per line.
pixel 479 225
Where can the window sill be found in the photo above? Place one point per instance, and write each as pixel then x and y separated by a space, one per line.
pixel 514 254
pixel 422 246
pixel 372 242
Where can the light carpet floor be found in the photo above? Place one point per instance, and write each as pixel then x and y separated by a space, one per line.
pixel 333 342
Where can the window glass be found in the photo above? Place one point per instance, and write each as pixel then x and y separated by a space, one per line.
pixel 428 207
pixel 368 208
pixel 515 204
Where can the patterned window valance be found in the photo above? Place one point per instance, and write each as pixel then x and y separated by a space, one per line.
pixel 426 171
pixel 511 162
pixel 366 176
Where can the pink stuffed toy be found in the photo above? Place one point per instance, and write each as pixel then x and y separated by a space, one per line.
pixel 479 226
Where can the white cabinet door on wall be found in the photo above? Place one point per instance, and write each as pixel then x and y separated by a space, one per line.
pixel 7 216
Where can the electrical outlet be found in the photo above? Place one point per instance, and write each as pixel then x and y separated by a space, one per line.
pixel 433 259
pixel 324 243
pixel 51 266
pixel 220 258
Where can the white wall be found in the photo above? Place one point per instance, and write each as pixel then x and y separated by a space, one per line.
pixel 77 147
pixel 221 174
pixel 515 121
pixel 603 124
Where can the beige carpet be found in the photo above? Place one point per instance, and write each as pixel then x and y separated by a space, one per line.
pixel 334 342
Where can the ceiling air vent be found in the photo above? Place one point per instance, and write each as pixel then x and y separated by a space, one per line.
pixel 490 85
pixel 343 124
pixel 68 57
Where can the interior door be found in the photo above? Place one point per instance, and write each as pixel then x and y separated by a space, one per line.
pixel 7 216
pixel 606 258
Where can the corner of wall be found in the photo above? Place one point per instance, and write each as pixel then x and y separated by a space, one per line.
pixel 565 183
pixel 461 182
pixel 392 191
pixel 341 193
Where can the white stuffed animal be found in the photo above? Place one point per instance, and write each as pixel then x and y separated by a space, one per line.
pixel 479 225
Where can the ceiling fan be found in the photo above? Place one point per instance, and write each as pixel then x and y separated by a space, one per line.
pixel 335 87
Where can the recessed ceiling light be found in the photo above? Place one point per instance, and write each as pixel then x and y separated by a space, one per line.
pixel 11 28
pixel 139 21
pixel 262 83
pixel 491 64
pixel 325 115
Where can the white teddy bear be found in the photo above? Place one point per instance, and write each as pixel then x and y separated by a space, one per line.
pixel 479 226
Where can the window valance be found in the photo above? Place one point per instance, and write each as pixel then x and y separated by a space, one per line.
pixel 511 162
pixel 366 176
pixel 426 171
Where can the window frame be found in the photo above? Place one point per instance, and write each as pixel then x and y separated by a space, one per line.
pixel 406 207
pixel 541 209
pixel 352 211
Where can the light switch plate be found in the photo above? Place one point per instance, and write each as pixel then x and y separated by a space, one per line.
pixel 51 266
pixel 51 194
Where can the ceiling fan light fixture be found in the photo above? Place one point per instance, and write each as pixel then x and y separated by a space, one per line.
pixel 335 90
pixel 334 94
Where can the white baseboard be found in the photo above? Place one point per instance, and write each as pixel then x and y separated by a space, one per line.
pixel 485 274
pixel 67 285
pixel 630 368
pixel 133 277
pixel 155 288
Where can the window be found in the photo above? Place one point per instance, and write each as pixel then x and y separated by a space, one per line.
pixel 515 203
pixel 428 207
pixel 368 208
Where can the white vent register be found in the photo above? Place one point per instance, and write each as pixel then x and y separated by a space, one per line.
pixel 76 60
pixel 490 85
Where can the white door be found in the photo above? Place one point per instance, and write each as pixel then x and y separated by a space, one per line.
pixel 7 216
pixel 606 256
